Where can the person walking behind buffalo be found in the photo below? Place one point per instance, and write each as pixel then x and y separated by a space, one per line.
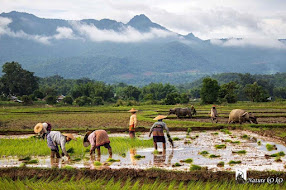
pixel 132 123
pixel 43 129
pixel 55 138
pixel 97 139
pixel 158 131
pixel 214 114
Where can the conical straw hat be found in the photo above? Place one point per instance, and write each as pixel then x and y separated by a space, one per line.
pixel 69 136
pixel 133 110
pixel 159 117
pixel 38 128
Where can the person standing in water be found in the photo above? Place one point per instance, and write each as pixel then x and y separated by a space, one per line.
pixel 214 114
pixel 132 123
pixel 158 131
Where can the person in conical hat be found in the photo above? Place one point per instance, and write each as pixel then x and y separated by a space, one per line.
pixel 214 114
pixel 55 138
pixel 158 131
pixel 43 129
pixel 132 122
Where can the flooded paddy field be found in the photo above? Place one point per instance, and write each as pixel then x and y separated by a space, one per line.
pixel 243 150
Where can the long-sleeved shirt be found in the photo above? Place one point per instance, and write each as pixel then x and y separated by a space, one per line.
pixel 158 128
pixel 98 138
pixel 54 139
pixel 132 122
pixel 213 113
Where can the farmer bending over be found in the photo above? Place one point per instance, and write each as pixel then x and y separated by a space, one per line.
pixel 157 129
pixel 97 139
pixel 55 138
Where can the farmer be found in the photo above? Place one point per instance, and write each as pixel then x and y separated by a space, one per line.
pixel 55 138
pixel 97 139
pixel 43 129
pixel 132 123
pixel 214 114
pixel 157 129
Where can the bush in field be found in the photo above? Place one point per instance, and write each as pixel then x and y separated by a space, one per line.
pixel 38 94
pixel 98 101
pixel 51 100
pixel 83 100
pixel 172 98
pixel 68 100
pixel 184 98
pixel 26 100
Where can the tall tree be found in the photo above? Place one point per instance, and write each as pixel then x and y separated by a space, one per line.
pixel 17 81
pixel 255 92
pixel 209 91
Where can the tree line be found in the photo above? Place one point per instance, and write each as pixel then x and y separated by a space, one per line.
pixel 19 82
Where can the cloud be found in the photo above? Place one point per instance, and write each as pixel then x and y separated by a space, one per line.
pixel 125 35
pixel 256 42
pixel 62 33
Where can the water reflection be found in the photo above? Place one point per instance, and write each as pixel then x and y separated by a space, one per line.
pixel 160 158
pixel 132 156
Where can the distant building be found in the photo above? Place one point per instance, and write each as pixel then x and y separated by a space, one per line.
pixel 60 98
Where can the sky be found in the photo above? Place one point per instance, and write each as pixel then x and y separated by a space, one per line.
pixel 206 19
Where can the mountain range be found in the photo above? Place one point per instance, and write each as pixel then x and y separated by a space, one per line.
pixel 137 52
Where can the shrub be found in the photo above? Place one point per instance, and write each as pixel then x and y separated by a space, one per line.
pixel 68 100
pixel 51 100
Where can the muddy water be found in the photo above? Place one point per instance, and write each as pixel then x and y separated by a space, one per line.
pixel 254 159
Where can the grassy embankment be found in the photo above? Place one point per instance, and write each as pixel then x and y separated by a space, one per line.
pixel 72 118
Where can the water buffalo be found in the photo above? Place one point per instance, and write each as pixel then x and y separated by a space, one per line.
pixel 182 112
pixel 241 116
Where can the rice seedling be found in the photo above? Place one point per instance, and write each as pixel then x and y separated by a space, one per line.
pixel 244 136
pixel 156 152
pixel 76 159
pixel 188 160
pixel 101 183
pixel 220 164
pixel 220 146
pixel 68 167
pixel 32 162
pixel 214 156
pixel 216 133
pixel 195 167
pixel 204 153
pixel 123 154
pixel 227 140
pixel 112 160
pixel 70 150
pixel 226 131
pixel 189 131
pixel 271 147
pixel 176 164
pixel 197 136
pixel 22 165
pixel 27 158
pixel 38 147
pixel 259 143
pixel 138 156
pixel 97 163
pixel 176 139
pixel 278 159
pixel 232 162
pixel 235 142
pixel 239 152
pixel 187 142
pixel 278 154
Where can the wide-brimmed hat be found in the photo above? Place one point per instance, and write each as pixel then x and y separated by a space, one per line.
pixel 159 117
pixel 133 110
pixel 38 128
pixel 69 136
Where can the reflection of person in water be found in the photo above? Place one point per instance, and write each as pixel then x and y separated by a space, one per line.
pixel 132 154
pixel 160 159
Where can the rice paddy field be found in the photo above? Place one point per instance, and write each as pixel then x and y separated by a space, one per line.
pixel 206 155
